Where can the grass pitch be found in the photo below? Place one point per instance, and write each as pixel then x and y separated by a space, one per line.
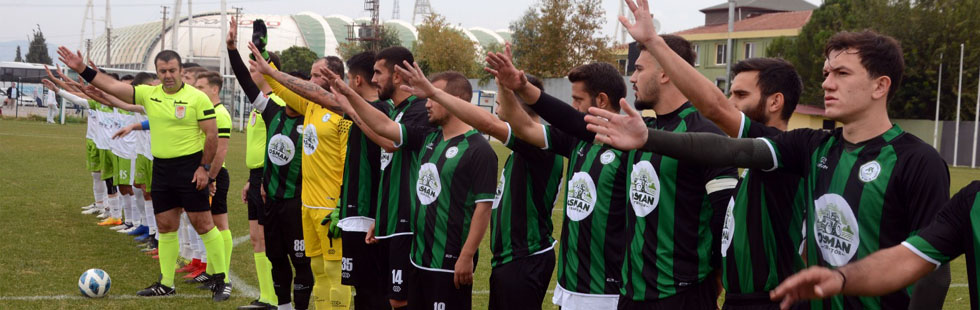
pixel 46 244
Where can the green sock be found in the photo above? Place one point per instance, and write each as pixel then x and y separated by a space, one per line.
pixel 229 245
pixel 168 248
pixel 263 269
pixel 213 243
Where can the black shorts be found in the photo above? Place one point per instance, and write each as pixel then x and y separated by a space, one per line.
pixel 219 203
pixel 701 296
pixel 399 270
pixel 284 228
pixel 754 301
pixel 172 187
pixel 439 292
pixel 254 195
pixel 522 283
pixel 361 263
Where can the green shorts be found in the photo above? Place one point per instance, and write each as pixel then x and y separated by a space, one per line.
pixel 108 164
pixel 92 160
pixel 144 171
pixel 125 171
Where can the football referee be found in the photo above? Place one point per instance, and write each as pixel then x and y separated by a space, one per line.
pixel 184 142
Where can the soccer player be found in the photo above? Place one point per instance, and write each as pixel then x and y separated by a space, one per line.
pixel 521 226
pixel 951 234
pixel 184 144
pixel 868 185
pixel 455 186
pixel 361 264
pixel 681 229
pixel 592 241
pixel 255 156
pixel 324 151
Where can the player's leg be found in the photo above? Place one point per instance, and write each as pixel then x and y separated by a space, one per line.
pixel 219 213
pixel 213 244
pixel 276 245
pixel 361 270
pixel 256 231
pixel 167 217
pixel 325 254
pixel 93 164
pixel 400 271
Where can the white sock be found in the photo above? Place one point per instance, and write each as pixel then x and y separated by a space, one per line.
pixel 98 189
pixel 114 210
pixel 139 205
pixel 151 219
pixel 126 202
pixel 185 241
pixel 135 205
pixel 286 306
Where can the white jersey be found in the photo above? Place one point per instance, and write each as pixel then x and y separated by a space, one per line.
pixel 92 125
pixel 105 123
pixel 143 138
pixel 124 147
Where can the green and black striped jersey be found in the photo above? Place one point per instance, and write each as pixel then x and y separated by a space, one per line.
pixel 283 171
pixel 592 241
pixel 675 213
pixel 955 231
pixel 361 171
pixel 454 175
pixel 399 171
pixel 862 197
pixel 762 232
pixel 526 191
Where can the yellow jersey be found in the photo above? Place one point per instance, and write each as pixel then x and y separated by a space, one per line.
pixel 324 148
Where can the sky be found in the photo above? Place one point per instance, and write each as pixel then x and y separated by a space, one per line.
pixel 61 20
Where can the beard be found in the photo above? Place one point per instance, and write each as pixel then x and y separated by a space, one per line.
pixel 386 91
pixel 757 113
pixel 649 100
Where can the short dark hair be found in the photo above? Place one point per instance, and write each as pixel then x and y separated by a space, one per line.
pixel 113 75
pixel 191 65
pixel 168 55
pixel 335 64
pixel 600 77
pixel 362 65
pixel 776 75
pixel 195 70
pixel 127 77
pixel 213 78
pixel 143 78
pixel 456 84
pixel 880 54
pixel 300 74
pixel 395 55
pixel 677 44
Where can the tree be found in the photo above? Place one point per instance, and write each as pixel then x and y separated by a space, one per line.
pixel 18 58
pixel 297 58
pixel 560 35
pixel 388 38
pixel 441 47
pixel 926 29
pixel 37 51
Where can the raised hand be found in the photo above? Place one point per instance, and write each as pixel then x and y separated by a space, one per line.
pixel 337 83
pixel 95 93
pixel 624 132
pixel 232 34
pixel 260 66
pixel 49 85
pixel 812 283
pixel 74 60
pixel 92 64
pixel 418 85
pixel 642 30
pixel 502 67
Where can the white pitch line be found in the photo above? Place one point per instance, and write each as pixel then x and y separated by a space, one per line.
pixel 238 285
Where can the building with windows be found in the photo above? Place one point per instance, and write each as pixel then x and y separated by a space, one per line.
pixel 757 24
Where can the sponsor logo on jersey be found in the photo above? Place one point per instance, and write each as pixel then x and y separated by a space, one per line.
pixel 326 117
pixel 451 152
pixel 607 157
pixel 728 229
pixel 180 111
pixel 823 163
pixel 281 150
pixel 644 188
pixel 836 229
pixel 501 182
pixel 581 196
pixel 310 140
pixel 385 159
pixel 428 185
pixel 869 171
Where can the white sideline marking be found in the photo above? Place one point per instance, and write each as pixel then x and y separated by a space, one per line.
pixel 238 285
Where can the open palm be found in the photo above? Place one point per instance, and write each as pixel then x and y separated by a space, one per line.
pixel 643 29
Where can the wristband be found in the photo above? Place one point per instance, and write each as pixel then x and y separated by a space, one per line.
pixel 88 74
pixel 843 280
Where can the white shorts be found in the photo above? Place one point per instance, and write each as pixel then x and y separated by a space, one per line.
pixel 569 300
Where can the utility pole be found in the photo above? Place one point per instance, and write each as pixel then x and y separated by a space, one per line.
pixel 88 48
pixel 108 34
pixel 163 28
pixel 728 46
pixel 395 12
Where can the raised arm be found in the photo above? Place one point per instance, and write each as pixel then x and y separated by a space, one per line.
pixel 465 111
pixel 102 81
pixel 290 88
pixel 344 96
pixel 237 65
pixel 521 123
pixel 880 273
pixel 706 97
pixel 103 98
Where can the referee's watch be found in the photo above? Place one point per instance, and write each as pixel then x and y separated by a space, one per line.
pixel 207 167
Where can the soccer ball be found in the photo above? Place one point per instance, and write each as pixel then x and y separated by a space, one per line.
pixel 94 283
